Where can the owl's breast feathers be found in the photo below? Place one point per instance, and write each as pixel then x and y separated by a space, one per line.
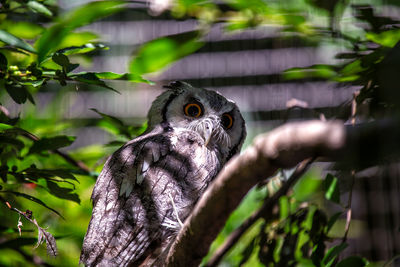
pixel 143 192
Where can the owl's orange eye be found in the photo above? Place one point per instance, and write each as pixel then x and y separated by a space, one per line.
pixel 227 120
pixel 193 110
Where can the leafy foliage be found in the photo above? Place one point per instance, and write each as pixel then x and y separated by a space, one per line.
pixel 34 167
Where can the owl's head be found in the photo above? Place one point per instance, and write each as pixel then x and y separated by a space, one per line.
pixel 216 119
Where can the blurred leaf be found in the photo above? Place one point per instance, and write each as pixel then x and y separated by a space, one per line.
pixel 3 63
pixel 306 187
pixel 12 40
pixel 332 220
pixel 114 125
pixel 353 261
pixel 79 17
pixel 17 92
pixel 34 199
pixel 328 5
pixel 62 192
pixel 51 143
pixel 17 242
pixel 331 188
pixel 63 61
pixel 37 83
pixel 305 263
pixel 248 251
pixel 39 8
pixel 48 173
pixel 22 29
pixel 7 140
pixel 249 4
pixel 5 126
pixel 115 143
pixel 284 207
pixel 90 78
pixel 158 53
pixel 86 48
pixel 76 39
pixel 60 59
pixel 332 253
pixel 386 38
pixel 125 76
pixel 315 71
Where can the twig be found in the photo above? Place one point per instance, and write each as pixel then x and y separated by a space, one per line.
pixel 42 233
pixel 264 211
pixel 353 172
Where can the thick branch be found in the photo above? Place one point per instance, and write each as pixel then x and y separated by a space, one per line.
pixel 283 147
pixel 265 210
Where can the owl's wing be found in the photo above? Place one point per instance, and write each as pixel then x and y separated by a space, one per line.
pixel 120 231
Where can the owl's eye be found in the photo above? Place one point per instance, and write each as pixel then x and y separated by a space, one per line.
pixel 194 110
pixel 227 120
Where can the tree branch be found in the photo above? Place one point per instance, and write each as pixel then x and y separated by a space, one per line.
pixel 283 147
pixel 264 211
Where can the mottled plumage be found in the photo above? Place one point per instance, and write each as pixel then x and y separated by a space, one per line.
pixel 150 185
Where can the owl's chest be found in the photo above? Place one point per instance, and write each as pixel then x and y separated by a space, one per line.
pixel 174 183
pixel 185 171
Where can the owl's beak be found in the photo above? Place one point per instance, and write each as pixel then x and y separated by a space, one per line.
pixel 207 137
pixel 208 131
pixel 207 127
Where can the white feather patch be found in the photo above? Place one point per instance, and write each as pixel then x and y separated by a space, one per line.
pixel 145 166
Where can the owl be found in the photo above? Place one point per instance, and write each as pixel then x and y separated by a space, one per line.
pixel 150 185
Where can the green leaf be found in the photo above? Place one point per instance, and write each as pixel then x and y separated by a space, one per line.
pixel 90 78
pixel 17 92
pixel 306 187
pixel 315 71
pixel 39 8
pixel 332 253
pixel 118 76
pixel 51 143
pixel 60 59
pixel 158 53
pixel 18 242
pixel 284 207
pixel 353 261
pixel 332 220
pixel 331 188
pixel 113 124
pixel 3 63
pixel 386 38
pixel 34 199
pixel 62 192
pixel 63 61
pixel 79 17
pixel 7 140
pixel 22 29
pixel 48 173
pixel 86 48
pixel 12 40
pixel 4 126
pixel 36 83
